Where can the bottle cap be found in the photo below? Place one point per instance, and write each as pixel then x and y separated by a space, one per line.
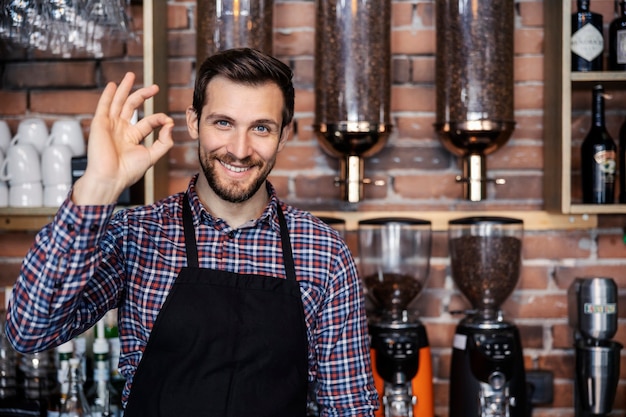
pixel 80 345
pixel 67 347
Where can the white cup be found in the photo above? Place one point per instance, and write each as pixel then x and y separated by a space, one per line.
pixel 55 195
pixel 21 165
pixel 32 131
pixel 5 135
pixel 4 194
pixel 28 194
pixel 68 132
pixel 56 165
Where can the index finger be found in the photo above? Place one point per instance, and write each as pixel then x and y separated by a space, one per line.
pixel 136 99
pixel 121 94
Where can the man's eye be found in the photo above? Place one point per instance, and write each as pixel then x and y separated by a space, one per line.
pixel 222 123
pixel 262 129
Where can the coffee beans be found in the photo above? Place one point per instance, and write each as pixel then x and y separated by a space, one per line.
pixel 352 63
pixel 226 24
pixel 485 268
pixel 474 65
pixel 392 292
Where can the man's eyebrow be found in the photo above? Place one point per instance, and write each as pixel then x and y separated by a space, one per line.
pixel 214 116
pixel 266 122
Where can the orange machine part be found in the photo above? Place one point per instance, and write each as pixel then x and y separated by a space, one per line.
pixel 422 385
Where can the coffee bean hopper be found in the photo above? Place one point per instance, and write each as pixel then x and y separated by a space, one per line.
pixel 394 256
pixel 487 377
pixel 352 86
pixel 474 80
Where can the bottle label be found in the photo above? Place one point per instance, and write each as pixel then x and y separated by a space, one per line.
pixel 621 46
pixel 606 164
pixel 587 42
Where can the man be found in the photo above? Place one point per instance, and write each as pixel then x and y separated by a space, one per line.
pixel 230 302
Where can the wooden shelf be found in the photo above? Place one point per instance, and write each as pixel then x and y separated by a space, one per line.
pixel 533 220
pixel 559 81
pixel 33 219
pixel 154 72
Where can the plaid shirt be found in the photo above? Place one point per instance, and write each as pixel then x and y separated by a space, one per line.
pixel 90 260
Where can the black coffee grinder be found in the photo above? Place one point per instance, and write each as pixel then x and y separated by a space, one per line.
pixel 394 256
pixel 487 377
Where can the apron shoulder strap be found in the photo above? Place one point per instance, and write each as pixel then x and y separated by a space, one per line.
pixel 290 268
pixel 190 234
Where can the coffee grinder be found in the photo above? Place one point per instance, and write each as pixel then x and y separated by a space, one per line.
pixel 592 311
pixel 395 261
pixel 487 377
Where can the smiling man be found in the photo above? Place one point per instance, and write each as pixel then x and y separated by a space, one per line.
pixel 230 301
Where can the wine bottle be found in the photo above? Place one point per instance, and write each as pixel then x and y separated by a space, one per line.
pixel 59 394
pixel 587 41
pixel 597 157
pixel 617 40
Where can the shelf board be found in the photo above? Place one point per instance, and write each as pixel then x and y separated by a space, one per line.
pixel 601 76
pixel 25 219
pixel 533 220
pixel 33 219
pixel 597 208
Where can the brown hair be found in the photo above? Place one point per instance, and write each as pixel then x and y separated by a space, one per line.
pixel 246 66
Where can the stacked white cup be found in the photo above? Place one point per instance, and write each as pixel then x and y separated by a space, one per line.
pixel 37 164
pixel 65 142
pixel 22 167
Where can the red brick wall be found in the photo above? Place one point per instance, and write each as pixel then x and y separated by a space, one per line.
pixel 419 173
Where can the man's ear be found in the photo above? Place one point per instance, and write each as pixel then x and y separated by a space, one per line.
pixel 192 122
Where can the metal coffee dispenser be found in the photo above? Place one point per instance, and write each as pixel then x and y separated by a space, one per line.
pixel 352 85
pixel 394 256
pixel 592 308
pixel 487 377
pixel 474 79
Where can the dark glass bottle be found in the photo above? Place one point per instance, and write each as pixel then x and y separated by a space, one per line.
pixel 587 41
pixel 597 157
pixel 617 40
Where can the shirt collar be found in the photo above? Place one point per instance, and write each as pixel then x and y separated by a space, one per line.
pixel 201 215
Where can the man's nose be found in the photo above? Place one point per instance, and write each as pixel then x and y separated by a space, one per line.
pixel 240 146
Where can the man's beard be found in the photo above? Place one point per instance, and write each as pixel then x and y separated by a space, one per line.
pixel 233 192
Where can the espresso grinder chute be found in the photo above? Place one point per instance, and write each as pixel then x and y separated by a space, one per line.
pixel 592 308
pixel 487 377
pixel 474 80
pixel 394 259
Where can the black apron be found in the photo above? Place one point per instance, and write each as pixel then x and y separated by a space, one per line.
pixel 225 344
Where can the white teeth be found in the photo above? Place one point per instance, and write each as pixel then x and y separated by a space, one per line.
pixel 234 168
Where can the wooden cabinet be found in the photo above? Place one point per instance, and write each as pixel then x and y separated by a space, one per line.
pixel 155 72
pixel 559 82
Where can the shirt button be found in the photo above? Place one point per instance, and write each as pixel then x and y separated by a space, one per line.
pixel 70 227
pixel 231 234
pixel 93 228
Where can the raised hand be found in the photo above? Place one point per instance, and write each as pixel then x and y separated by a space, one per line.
pixel 116 155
